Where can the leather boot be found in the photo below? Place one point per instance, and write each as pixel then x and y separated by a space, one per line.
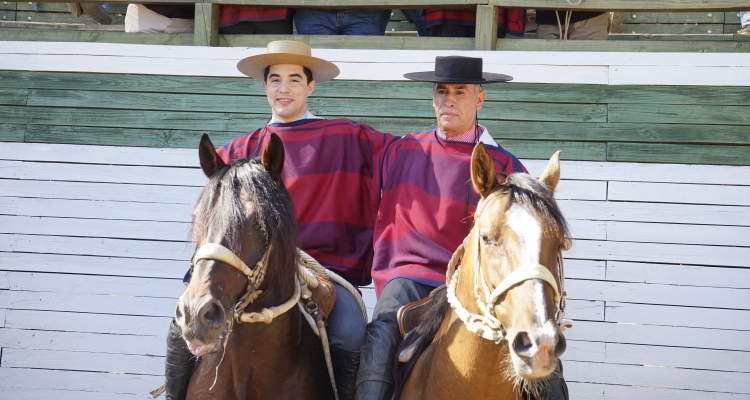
pixel 375 379
pixel 345 367
pixel 179 364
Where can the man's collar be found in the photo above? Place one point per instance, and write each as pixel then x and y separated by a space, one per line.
pixel 306 115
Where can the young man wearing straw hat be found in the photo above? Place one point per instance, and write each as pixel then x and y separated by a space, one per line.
pixel 332 173
pixel 426 192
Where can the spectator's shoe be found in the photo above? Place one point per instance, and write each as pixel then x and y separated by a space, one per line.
pixel 745 30
pixel 95 11
pixel 75 9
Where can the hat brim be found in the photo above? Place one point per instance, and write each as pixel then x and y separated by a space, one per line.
pixel 255 66
pixel 429 76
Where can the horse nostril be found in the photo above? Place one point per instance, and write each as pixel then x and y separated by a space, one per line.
pixel 522 344
pixel 561 345
pixel 212 313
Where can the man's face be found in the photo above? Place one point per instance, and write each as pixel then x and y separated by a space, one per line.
pixel 456 105
pixel 287 90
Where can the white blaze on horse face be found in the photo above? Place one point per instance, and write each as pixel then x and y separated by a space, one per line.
pixel 529 232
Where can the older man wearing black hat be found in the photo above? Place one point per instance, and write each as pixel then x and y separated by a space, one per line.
pixel 425 210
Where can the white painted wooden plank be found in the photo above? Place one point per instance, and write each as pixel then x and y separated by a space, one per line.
pixel 660 253
pixel 82 342
pixel 585 269
pixel 585 310
pixel 82 361
pixel 4 280
pixel 620 392
pixel 679 193
pixel 718 339
pixel 150 230
pixel 2 318
pixel 678 233
pixel 161 250
pixel 93 265
pixel 87 303
pixel 656 212
pixel 678 316
pixel 585 391
pixel 646 172
pixel 667 274
pixel 581 190
pixel 91 284
pixel 79 381
pixel 584 351
pixel 100 191
pixel 56 171
pixel 586 229
pixel 111 155
pixel 685 75
pixel 672 378
pixel 662 356
pixel 98 209
pixel 46 394
pixel 651 293
pixel 87 323
pixel 143 230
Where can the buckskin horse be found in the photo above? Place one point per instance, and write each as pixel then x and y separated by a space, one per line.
pixel 496 331
pixel 245 269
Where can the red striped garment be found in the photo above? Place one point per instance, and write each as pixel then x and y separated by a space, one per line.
pixel 427 205
pixel 332 172
pixel 513 19
pixel 230 15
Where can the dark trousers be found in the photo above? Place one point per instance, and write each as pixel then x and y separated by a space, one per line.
pixel 453 30
pixel 280 27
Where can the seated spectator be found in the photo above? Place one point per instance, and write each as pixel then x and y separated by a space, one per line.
pixel 337 22
pixel 574 25
pixel 160 18
pixel 98 11
pixel 461 22
pixel 745 20
pixel 259 20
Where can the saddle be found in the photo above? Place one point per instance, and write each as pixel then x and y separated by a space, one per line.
pixel 408 316
pixel 324 296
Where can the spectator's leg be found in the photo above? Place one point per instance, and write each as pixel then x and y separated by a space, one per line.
pixel 75 9
pixel 315 22
pixel 383 19
pixel 596 28
pixel 375 380
pixel 97 12
pixel 346 331
pixel 416 16
pixel 280 27
pixel 360 22
pixel 453 30
pixel 546 31
pixel 240 28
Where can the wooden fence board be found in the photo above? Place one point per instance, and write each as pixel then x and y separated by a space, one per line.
pixel 692 275
pixel 88 323
pixel 661 253
pixel 40 394
pixel 683 153
pixel 97 209
pixel 678 233
pixel 656 212
pixel 712 360
pixel 674 17
pixel 679 193
pixel 13 97
pixel 585 310
pixel 94 265
pixel 683 337
pixel 23 378
pixel 82 361
pixel 678 316
pixel 100 191
pixel 160 250
pixel 88 303
pixel 651 293
pixel 143 230
pixel 64 18
pixel 98 285
pixel 673 29
pixel 82 342
pixel 11 133
pixel 110 155
pixel 621 392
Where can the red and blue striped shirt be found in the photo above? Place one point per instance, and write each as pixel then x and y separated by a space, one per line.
pixel 332 173
pixel 427 205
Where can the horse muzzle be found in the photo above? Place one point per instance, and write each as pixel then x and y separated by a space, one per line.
pixel 534 353
pixel 204 324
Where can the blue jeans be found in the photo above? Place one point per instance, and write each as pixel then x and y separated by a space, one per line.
pixel 346 327
pixel 337 22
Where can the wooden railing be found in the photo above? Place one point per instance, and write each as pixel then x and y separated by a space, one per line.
pixel 206 15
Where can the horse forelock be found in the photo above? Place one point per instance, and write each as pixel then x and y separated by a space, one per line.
pixel 537 199
pixel 222 207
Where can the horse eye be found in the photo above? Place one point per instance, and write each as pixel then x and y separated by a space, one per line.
pixel 486 239
pixel 256 225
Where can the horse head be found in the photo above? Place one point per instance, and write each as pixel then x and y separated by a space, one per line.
pixel 515 247
pixel 246 239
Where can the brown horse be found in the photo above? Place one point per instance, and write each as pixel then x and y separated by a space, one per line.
pixel 497 334
pixel 244 271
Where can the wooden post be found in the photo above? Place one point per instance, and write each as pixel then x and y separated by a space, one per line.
pixel 486 33
pixel 206 24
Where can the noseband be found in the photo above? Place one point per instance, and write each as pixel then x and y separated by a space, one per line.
pixel 255 276
pixel 486 323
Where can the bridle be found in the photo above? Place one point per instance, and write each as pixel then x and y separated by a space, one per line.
pixel 255 276
pixel 486 324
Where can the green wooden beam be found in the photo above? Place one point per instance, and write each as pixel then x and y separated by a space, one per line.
pixel 678 153
pixel 206 24
pixel 12 132
pixel 59 35
pixel 705 17
pixel 342 4
pixel 486 28
pixel 353 42
pixel 627 5
pixel 674 29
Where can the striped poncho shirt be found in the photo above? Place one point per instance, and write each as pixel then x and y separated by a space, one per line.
pixel 427 205
pixel 332 173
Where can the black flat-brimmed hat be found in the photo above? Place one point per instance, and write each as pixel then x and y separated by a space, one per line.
pixel 458 69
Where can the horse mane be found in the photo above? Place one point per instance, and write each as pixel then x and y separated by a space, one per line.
pixel 536 198
pixel 221 208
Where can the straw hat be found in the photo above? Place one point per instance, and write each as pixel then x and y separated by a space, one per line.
pixel 457 69
pixel 288 52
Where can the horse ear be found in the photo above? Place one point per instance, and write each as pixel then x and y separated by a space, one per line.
pixel 273 157
pixel 210 160
pixel 483 175
pixel 551 174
